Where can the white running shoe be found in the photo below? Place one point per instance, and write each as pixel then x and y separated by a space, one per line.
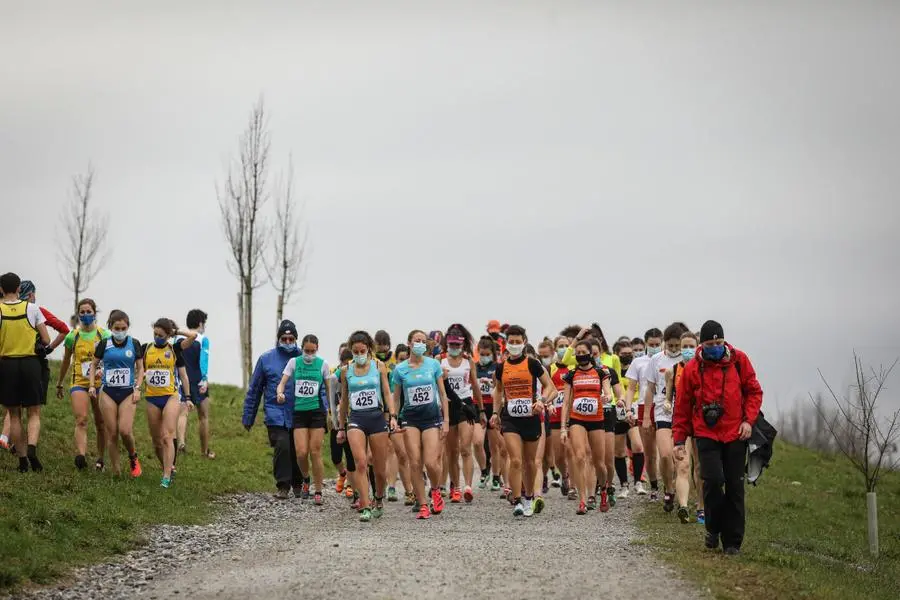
pixel 519 510
pixel 623 492
pixel 528 508
pixel 639 488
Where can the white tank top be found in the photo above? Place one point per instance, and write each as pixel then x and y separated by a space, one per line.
pixel 459 378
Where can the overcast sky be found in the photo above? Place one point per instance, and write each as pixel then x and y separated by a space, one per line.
pixel 535 162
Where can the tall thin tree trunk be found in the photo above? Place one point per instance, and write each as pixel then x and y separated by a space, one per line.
pixel 279 311
pixel 245 378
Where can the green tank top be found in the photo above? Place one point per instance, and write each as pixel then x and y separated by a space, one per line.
pixel 308 383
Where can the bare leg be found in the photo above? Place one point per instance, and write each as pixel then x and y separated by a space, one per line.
pixel 111 422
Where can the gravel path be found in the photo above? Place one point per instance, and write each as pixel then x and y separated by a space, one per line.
pixel 261 547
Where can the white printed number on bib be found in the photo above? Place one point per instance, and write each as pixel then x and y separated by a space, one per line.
pixel 305 388
pixel 158 378
pixel 118 377
pixel 519 407
pixel 86 369
pixel 419 395
pixel 456 383
pixel 586 406
pixel 363 399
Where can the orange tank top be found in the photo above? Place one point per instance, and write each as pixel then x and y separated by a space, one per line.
pixel 587 389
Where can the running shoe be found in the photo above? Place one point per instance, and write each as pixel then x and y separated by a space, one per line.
pixel 281 494
pixel 592 503
pixel 668 502
pixel 582 509
pixel 538 505
pixel 356 504
pixel 182 449
pixel 443 492
pixel 339 484
pixel 36 465
pixel 305 491
pixel 135 466
pixel 557 479
pixel 348 491
pixel 174 473
pixel 437 502
pixel 297 490
pixel 98 466
pixel 624 493
pixel 712 540
pixel 604 501
pixel 731 551
pixel 528 507
pixel 455 496
pixel 378 509
pixel 392 494
pixel 409 499
pixel 495 484
pixel 23 464
pixel 365 515
pixel 424 513
pixel 483 482
pixel 611 494
pixel 166 482
pixel 519 509
pixel 4 444
pixel 654 495
pixel 573 494
pixel 701 516
pixel 506 494
pixel 564 485
pixel 468 496
pixel 640 489
pixel 545 485
pixel 317 499
pixel 684 515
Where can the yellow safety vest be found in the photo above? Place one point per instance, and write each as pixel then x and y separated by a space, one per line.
pixel 17 334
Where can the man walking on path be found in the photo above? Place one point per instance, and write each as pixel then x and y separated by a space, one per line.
pixel 22 329
pixel 279 418
pixel 717 402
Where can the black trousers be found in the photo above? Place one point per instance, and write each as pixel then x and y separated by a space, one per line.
pixel 284 458
pixel 722 472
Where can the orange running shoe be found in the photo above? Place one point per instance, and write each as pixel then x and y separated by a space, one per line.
pixel 424 513
pixel 348 491
pixel 4 444
pixel 455 496
pixel 135 466
pixel 437 503
pixel 339 484
pixel 604 501
pixel 468 496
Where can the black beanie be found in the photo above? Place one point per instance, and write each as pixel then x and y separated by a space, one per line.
pixel 710 331
pixel 287 327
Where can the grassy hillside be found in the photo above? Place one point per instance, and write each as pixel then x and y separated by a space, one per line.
pixel 806 535
pixel 60 518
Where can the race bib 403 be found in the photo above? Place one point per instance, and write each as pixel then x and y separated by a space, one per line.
pixel 519 407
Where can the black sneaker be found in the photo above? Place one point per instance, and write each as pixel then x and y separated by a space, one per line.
pixel 712 540
pixel 297 490
pixel 668 502
pixel 281 494
pixel 732 551
pixel 80 462
pixel 98 466
pixel 36 465
pixel 23 465
pixel 684 515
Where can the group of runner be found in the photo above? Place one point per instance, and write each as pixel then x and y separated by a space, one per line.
pixel 572 412
pixel 104 371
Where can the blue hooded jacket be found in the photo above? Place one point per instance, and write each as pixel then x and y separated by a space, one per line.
pixel 264 382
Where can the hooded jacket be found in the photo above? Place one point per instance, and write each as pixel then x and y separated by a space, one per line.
pixel 732 381
pixel 263 385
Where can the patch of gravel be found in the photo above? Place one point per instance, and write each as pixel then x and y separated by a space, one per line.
pixel 262 547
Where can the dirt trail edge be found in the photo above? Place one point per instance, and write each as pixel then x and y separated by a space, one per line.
pixel 262 547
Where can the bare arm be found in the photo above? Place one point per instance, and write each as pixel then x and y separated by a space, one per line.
pixel 345 403
pixel 669 387
pixel 385 385
pixel 189 337
pixel 476 386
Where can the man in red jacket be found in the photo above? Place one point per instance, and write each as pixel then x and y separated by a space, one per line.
pixel 716 402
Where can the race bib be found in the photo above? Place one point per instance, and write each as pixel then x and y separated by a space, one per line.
pixel 419 395
pixel 456 382
pixel 621 413
pixel 86 369
pixel 558 401
pixel 118 377
pixel 487 387
pixel 519 407
pixel 304 388
pixel 364 399
pixel 159 378
pixel 585 406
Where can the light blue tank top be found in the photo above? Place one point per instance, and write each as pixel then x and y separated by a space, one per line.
pixel 364 390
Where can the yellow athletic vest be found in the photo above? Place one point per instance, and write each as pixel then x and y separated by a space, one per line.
pixel 82 356
pixel 17 336
pixel 159 370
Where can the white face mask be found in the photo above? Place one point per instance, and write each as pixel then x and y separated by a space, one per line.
pixel 547 361
pixel 515 350
pixel 675 354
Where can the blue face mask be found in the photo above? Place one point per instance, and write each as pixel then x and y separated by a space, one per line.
pixel 419 349
pixel 160 341
pixel 651 351
pixel 714 353
pixel 87 319
pixel 486 360
pixel 361 359
pixel 454 352
pixel 560 352
pixel 638 353
pixel 688 353
pixel 120 336
pixel 288 347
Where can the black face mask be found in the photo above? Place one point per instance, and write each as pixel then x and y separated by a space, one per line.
pixel 584 359
pixel 626 360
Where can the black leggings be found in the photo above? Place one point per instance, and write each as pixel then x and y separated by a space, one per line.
pixel 339 451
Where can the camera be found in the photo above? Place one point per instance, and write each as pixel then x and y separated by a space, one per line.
pixel 712 413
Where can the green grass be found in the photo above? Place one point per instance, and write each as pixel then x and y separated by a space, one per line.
pixel 802 541
pixel 61 518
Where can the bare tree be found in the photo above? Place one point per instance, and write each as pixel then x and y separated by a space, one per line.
pixel 241 197
pixel 868 440
pixel 286 268
pixel 82 249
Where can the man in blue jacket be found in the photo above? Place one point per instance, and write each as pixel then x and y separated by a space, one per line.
pixel 279 418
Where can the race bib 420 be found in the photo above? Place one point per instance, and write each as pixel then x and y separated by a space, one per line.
pixel 304 388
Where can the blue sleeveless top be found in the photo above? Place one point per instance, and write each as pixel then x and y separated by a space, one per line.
pixel 364 390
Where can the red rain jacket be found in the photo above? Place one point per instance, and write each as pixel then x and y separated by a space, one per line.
pixel 732 379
